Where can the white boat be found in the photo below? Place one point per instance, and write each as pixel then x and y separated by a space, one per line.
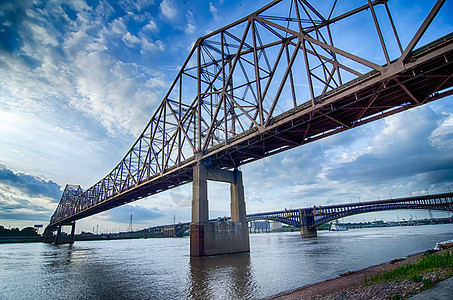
pixel 336 227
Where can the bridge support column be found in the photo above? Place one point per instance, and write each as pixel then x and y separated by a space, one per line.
pixel 60 239
pixel 58 235
pixel 219 237
pixel 307 219
pixel 72 237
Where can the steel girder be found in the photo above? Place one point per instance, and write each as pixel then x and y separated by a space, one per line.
pixel 238 97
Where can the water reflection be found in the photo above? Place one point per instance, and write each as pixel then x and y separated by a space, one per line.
pixel 224 276
pixel 57 256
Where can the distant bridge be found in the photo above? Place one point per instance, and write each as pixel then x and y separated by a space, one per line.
pixel 309 218
pixel 267 83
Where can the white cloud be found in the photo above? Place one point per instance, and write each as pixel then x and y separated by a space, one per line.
pixel 138 5
pixel 190 29
pixel 117 26
pixel 130 40
pixel 214 11
pixel 443 135
pixel 148 46
pixel 168 9
pixel 42 35
pixel 113 92
pixel 151 26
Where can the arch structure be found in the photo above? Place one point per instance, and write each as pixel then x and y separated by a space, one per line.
pixel 277 79
pixel 325 214
pixel 310 218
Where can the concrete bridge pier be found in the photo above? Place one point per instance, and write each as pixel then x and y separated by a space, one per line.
pixel 219 237
pixel 307 219
pixel 60 239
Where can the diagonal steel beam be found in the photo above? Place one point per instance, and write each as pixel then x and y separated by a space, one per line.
pixel 418 35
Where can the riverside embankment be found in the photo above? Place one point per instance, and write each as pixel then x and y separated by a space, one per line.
pixel 397 279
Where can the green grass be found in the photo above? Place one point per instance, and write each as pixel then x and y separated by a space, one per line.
pixel 430 263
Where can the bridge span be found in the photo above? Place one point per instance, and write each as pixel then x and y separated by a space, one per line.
pixel 267 83
pixel 309 218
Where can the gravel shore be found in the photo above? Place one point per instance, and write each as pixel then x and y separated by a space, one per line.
pixel 352 284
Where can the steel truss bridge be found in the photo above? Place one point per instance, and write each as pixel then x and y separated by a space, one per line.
pixel 269 82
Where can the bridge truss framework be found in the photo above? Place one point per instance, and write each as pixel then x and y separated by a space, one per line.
pixel 266 83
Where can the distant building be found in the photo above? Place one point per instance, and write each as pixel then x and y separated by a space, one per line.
pixel 276 225
pixel 259 226
pixel 265 225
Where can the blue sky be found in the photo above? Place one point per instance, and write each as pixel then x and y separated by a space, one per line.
pixel 80 79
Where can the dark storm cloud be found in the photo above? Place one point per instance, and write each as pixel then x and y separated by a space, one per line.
pixel 29 184
pixel 140 214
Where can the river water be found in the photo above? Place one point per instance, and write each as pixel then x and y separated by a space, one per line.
pixel 162 268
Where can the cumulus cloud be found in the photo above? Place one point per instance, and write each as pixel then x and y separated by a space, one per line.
pixel 443 135
pixel 80 67
pixel 403 149
pixel 408 152
pixel 30 185
pixel 108 95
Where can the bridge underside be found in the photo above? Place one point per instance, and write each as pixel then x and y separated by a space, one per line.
pixel 375 98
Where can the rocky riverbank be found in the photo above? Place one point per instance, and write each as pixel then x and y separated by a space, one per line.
pixel 366 283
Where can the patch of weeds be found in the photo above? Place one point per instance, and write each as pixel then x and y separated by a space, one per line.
pixel 428 264
pixel 416 277
pixel 427 283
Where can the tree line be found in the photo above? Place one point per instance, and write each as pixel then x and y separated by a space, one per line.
pixel 27 231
